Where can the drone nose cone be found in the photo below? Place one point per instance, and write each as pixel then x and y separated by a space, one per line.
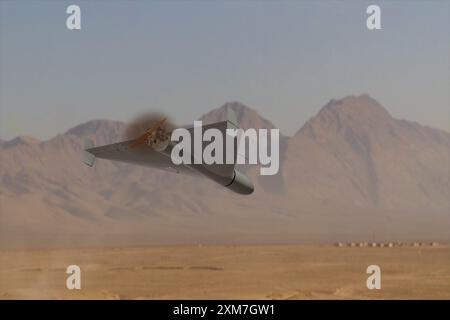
pixel 241 184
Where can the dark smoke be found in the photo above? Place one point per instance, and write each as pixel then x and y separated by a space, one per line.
pixel 143 122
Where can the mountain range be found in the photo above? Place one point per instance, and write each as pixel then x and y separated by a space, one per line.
pixel 350 173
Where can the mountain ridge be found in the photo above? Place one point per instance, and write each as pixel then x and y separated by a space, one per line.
pixel 220 114
pixel 341 176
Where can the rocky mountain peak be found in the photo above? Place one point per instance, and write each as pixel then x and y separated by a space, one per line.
pixel 18 141
pixel 102 131
pixel 359 107
pixel 359 113
pixel 246 116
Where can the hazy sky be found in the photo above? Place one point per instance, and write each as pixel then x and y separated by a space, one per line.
pixel 285 59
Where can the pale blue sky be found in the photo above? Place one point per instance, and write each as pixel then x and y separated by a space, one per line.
pixel 286 59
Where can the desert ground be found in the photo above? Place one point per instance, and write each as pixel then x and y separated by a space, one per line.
pixel 227 272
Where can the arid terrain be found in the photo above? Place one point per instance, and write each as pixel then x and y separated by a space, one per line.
pixel 350 173
pixel 227 272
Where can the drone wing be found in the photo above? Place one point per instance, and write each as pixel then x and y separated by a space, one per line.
pixel 128 152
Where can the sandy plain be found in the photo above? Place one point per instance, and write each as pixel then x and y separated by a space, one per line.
pixel 227 272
